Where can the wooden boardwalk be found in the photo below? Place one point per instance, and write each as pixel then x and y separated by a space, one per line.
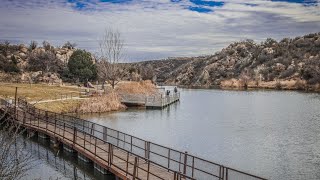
pixel 126 156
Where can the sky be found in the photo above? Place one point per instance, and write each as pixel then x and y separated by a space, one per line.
pixel 157 29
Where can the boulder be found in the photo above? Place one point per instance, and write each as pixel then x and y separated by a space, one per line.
pixel 22 55
pixel 280 67
pixel 24 50
pixel 317 42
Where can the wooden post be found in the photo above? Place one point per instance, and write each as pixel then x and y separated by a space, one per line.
pixel 135 167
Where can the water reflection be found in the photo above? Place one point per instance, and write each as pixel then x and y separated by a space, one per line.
pixel 50 163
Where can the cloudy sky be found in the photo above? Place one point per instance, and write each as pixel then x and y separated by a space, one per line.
pixel 154 29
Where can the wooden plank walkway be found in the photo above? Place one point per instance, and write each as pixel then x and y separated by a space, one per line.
pixel 114 159
pixel 126 156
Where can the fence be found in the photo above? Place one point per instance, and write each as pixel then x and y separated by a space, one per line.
pixel 180 164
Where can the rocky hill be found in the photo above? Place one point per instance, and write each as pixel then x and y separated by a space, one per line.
pixel 288 64
pixel 24 62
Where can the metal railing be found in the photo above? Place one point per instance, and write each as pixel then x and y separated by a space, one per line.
pixel 180 164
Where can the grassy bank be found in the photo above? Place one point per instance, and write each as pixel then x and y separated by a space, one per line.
pixel 65 106
pixel 47 97
pixel 36 92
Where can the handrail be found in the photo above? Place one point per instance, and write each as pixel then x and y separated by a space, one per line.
pixel 165 157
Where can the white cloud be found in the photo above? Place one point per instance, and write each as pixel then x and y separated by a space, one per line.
pixel 156 29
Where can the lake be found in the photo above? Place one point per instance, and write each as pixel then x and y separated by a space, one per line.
pixel 273 134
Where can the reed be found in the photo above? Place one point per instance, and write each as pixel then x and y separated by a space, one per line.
pixel 105 103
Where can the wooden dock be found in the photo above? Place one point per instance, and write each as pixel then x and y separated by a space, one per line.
pixel 159 101
pixel 126 156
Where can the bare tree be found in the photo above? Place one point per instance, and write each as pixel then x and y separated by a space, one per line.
pixel 44 61
pixel 109 68
pixel 15 161
pixel 33 45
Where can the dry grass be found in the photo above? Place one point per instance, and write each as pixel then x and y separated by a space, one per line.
pixel 65 106
pixel 142 87
pixel 105 103
pixel 35 92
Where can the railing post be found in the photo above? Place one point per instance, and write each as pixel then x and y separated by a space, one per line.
pixel 131 144
pixel 148 170
pixel 135 167
pixel 185 163
pixel 55 126
pixel 226 173
pixel 74 134
pixel 110 155
pixel 95 146
pixel 84 140
pixel 127 167
pixel 118 139
pixel 169 159
pixel 47 120
pixel 24 116
pixel 64 128
pixel 38 120
pixel 192 166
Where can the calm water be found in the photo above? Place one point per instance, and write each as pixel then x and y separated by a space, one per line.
pixel 268 133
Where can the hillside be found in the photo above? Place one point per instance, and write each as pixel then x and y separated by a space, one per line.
pixel 292 63
pixel 288 64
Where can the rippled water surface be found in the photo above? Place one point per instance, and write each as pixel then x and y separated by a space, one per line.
pixel 274 134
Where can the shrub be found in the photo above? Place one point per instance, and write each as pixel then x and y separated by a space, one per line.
pixel 81 66
pixel 288 72
pixel 69 45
